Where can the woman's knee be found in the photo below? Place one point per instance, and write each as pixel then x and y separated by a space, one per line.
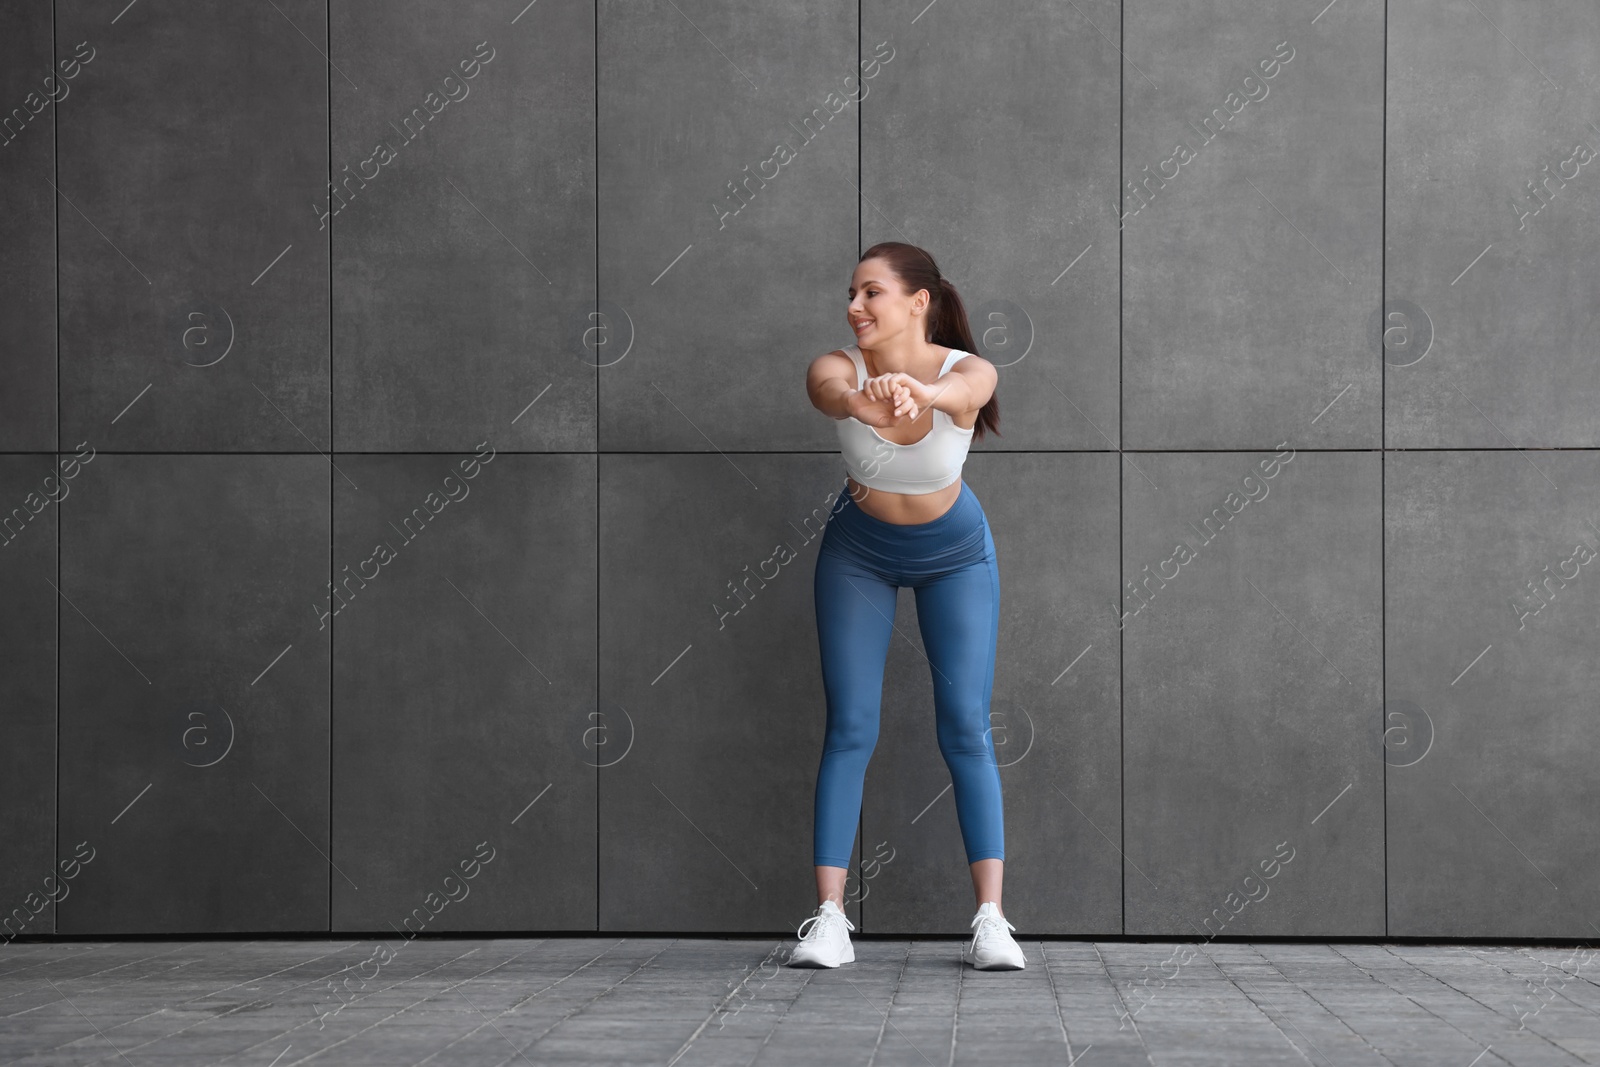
pixel 965 732
pixel 852 731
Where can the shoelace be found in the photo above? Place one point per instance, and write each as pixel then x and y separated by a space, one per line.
pixel 822 919
pixel 987 928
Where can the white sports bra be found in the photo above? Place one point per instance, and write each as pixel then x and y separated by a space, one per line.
pixel 924 466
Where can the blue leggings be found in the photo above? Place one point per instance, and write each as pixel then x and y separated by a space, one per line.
pixel 950 563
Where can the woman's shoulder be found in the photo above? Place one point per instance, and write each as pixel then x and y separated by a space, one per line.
pixel 838 363
pixel 982 375
pixel 963 355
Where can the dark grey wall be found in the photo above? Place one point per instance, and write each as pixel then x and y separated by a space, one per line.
pixel 435 552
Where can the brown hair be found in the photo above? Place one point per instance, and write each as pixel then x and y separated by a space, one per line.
pixel 947 323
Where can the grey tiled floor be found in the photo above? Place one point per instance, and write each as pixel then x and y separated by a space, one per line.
pixel 690 1001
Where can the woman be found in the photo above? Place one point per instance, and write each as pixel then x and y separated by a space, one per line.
pixel 909 400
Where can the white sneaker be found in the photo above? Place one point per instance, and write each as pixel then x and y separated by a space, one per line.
pixel 992 947
pixel 827 944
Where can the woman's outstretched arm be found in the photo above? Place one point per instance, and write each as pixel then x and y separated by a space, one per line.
pixel 829 382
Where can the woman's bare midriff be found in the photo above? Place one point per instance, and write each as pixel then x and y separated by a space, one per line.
pixel 903 509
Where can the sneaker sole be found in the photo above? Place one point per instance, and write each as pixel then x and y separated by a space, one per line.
pixel 995 965
pixel 848 957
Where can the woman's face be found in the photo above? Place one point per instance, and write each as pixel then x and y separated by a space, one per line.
pixel 880 308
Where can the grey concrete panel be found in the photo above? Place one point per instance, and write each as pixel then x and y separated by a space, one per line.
pixel 1492 207
pixel 194 694
pixel 1492 611
pixel 711 692
pixel 463 225
pixel 1055 714
pixel 464 633
pixel 1252 245
pixel 1252 678
pixel 992 143
pixel 31 86
pixel 728 222
pixel 31 491
pixel 194 284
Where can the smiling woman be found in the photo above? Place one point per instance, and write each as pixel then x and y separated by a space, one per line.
pixel 912 385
